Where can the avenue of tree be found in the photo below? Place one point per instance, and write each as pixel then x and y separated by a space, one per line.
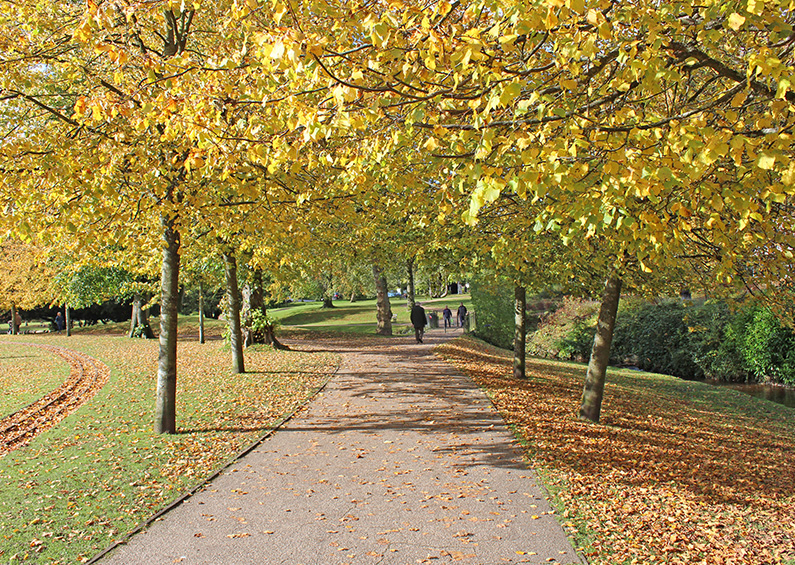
pixel 592 144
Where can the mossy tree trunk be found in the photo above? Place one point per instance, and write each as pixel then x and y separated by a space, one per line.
pixel 140 317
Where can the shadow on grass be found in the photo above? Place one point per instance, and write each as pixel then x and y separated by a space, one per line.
pixel 321 315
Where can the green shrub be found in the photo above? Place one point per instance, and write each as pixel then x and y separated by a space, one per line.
pixel 263 327
pixel 655 337
pixel 677 338
pixel 769 348
pixel 565 332
pixel 578 342
pixel 492 301
pixel 714 332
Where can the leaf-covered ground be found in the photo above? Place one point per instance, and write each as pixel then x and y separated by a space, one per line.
pixel 678 472
pixel 27 374
pixel 102 471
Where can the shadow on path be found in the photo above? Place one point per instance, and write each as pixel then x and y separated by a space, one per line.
pixel 400 460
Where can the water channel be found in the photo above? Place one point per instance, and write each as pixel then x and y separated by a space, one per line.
pixel 779 394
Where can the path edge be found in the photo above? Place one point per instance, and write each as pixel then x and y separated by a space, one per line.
pixel 232 461
pixel 542 486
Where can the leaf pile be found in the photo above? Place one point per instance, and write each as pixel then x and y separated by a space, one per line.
pixel 102 471
pixel 86 377
pixel 677 473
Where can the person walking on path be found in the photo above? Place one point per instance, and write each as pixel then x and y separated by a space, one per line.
pixel 447 314
pixel 461 314
pixel 59 322
pixel 419 321
pixel 400 460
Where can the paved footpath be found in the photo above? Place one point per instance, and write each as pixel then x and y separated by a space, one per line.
pixel 400 460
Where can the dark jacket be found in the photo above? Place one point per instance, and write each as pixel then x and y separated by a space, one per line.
pixel 418 319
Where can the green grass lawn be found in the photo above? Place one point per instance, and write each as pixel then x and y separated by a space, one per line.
pixel 102 471
pixel 347 317
pixel 358 317
pixel 678 472
pixel 27 374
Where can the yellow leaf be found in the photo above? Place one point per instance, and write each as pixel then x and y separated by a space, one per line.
pixel 510 93
pixel 766 161
pixel 278 50
pixel 551 20
pixel 783 86
pixel 379 34
pixel 736 21
pixel 431 144
pixel 577 6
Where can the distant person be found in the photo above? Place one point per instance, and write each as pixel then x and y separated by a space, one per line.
pixel 447 316
pixel 59 324
pixel 17 322
pixel 462 315
pixel 419 321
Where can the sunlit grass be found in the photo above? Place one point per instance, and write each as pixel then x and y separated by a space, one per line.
pixel 102 470
pixel 357 317
pixel 27 374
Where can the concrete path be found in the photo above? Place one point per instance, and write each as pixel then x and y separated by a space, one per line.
pixel 400 460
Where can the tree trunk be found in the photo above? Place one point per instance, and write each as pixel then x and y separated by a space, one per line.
pixel 13 322
pixel 143 317
pixel 246 308
pixel 519 331
pixel 353 296
pixel 257 292
pixel 136 306
pixel 68 320
pixel 201 312
pixel 233 296
pixel 327 284
pixel 593 392
pixel 166 403
pixel 384 314
pixel 140 317
pixel 410 300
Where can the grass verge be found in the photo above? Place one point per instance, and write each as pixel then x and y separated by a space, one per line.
pixel 677 472
pixel 27 374
pixel 357 317
pixel 102 471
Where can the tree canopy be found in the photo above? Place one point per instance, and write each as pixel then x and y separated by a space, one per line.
pixel 647 134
